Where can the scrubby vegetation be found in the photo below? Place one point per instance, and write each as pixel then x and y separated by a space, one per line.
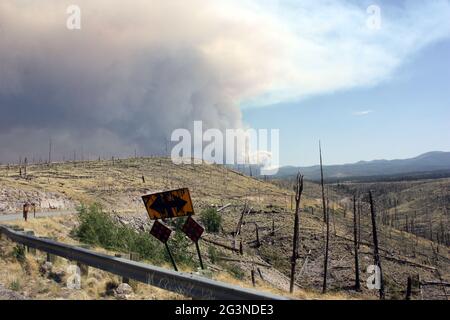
pixel 19 253
pixel 15 285
pixel 97 227
pixel 211 219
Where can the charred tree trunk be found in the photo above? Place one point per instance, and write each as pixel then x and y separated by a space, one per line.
pixel 359 223
pixel 49 151
pixel 355 241
pixel 408 289
pixel 327 241
pixel 298 195
pixel 376 254
pixel 25 163
pixel 321 183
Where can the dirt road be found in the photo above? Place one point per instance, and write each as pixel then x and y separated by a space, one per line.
pixel 19 216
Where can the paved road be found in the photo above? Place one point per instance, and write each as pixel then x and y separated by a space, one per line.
pixel 19 216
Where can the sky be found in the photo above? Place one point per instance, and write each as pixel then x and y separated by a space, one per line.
pixel 400 118
pixel 368 78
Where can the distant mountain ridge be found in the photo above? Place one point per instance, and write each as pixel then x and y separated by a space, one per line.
pixel 427 162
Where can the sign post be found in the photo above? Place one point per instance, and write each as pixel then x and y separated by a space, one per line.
pixel 194 231
pixel 162 233
pixel 168 205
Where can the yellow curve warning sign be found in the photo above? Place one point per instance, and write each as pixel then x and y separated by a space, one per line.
pixel 169 204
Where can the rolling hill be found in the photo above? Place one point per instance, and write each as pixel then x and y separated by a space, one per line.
pixel 436 162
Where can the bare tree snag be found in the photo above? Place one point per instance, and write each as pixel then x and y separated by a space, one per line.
pixel 359 223
pixel 49 151
pixel 376 254
pixel 239 225
pixel 327 241
pixel 298 195
pixel 321 183
pixel 355 241
pixel 253 278
pixel 408 289
pixel 25 166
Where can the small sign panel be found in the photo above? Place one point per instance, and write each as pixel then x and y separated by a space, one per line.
pixel 160 232
pixel 192 229
pixel 169 204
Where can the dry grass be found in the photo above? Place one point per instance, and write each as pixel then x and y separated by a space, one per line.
pixel 119 186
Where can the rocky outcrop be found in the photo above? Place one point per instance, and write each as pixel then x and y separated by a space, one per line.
pixel 12 200
pixel 137 222
pixel 123 291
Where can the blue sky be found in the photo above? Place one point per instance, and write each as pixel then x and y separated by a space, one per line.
pixel 401 116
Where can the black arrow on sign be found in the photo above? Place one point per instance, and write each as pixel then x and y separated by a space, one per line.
pixel 162 205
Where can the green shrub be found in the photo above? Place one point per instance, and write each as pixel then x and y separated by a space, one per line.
pixel 236 271
pixel 19 253
pixel 213 254
pixel 211 219
pixel 179 245
pixel 98 228
pixel 15 285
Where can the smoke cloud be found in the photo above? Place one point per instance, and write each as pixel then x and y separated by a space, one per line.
pixel 138 70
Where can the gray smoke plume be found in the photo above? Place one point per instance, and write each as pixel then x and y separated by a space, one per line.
pixel 139 69
pixel 123 82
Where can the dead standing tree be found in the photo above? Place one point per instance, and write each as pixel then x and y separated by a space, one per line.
pixel 298 195
pixel 327 242
pixel 239 224
pixel 355 241
pixel 359 222
pixel 321 183
pixel 25 163
pixel 376 254
pixel 326 219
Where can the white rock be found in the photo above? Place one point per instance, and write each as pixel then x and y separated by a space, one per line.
pixel 124 289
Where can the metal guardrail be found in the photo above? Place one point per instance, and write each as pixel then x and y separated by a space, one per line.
pixel 183 283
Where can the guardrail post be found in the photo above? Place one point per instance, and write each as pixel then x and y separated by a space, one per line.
pixel 134 256
pixel 124 256
pixel 29 249
pixel 19 229
pixel 84 268
pixel 50 257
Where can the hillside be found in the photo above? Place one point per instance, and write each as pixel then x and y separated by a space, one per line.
pixel 118 185
pixel 420 207
pixel 431 162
